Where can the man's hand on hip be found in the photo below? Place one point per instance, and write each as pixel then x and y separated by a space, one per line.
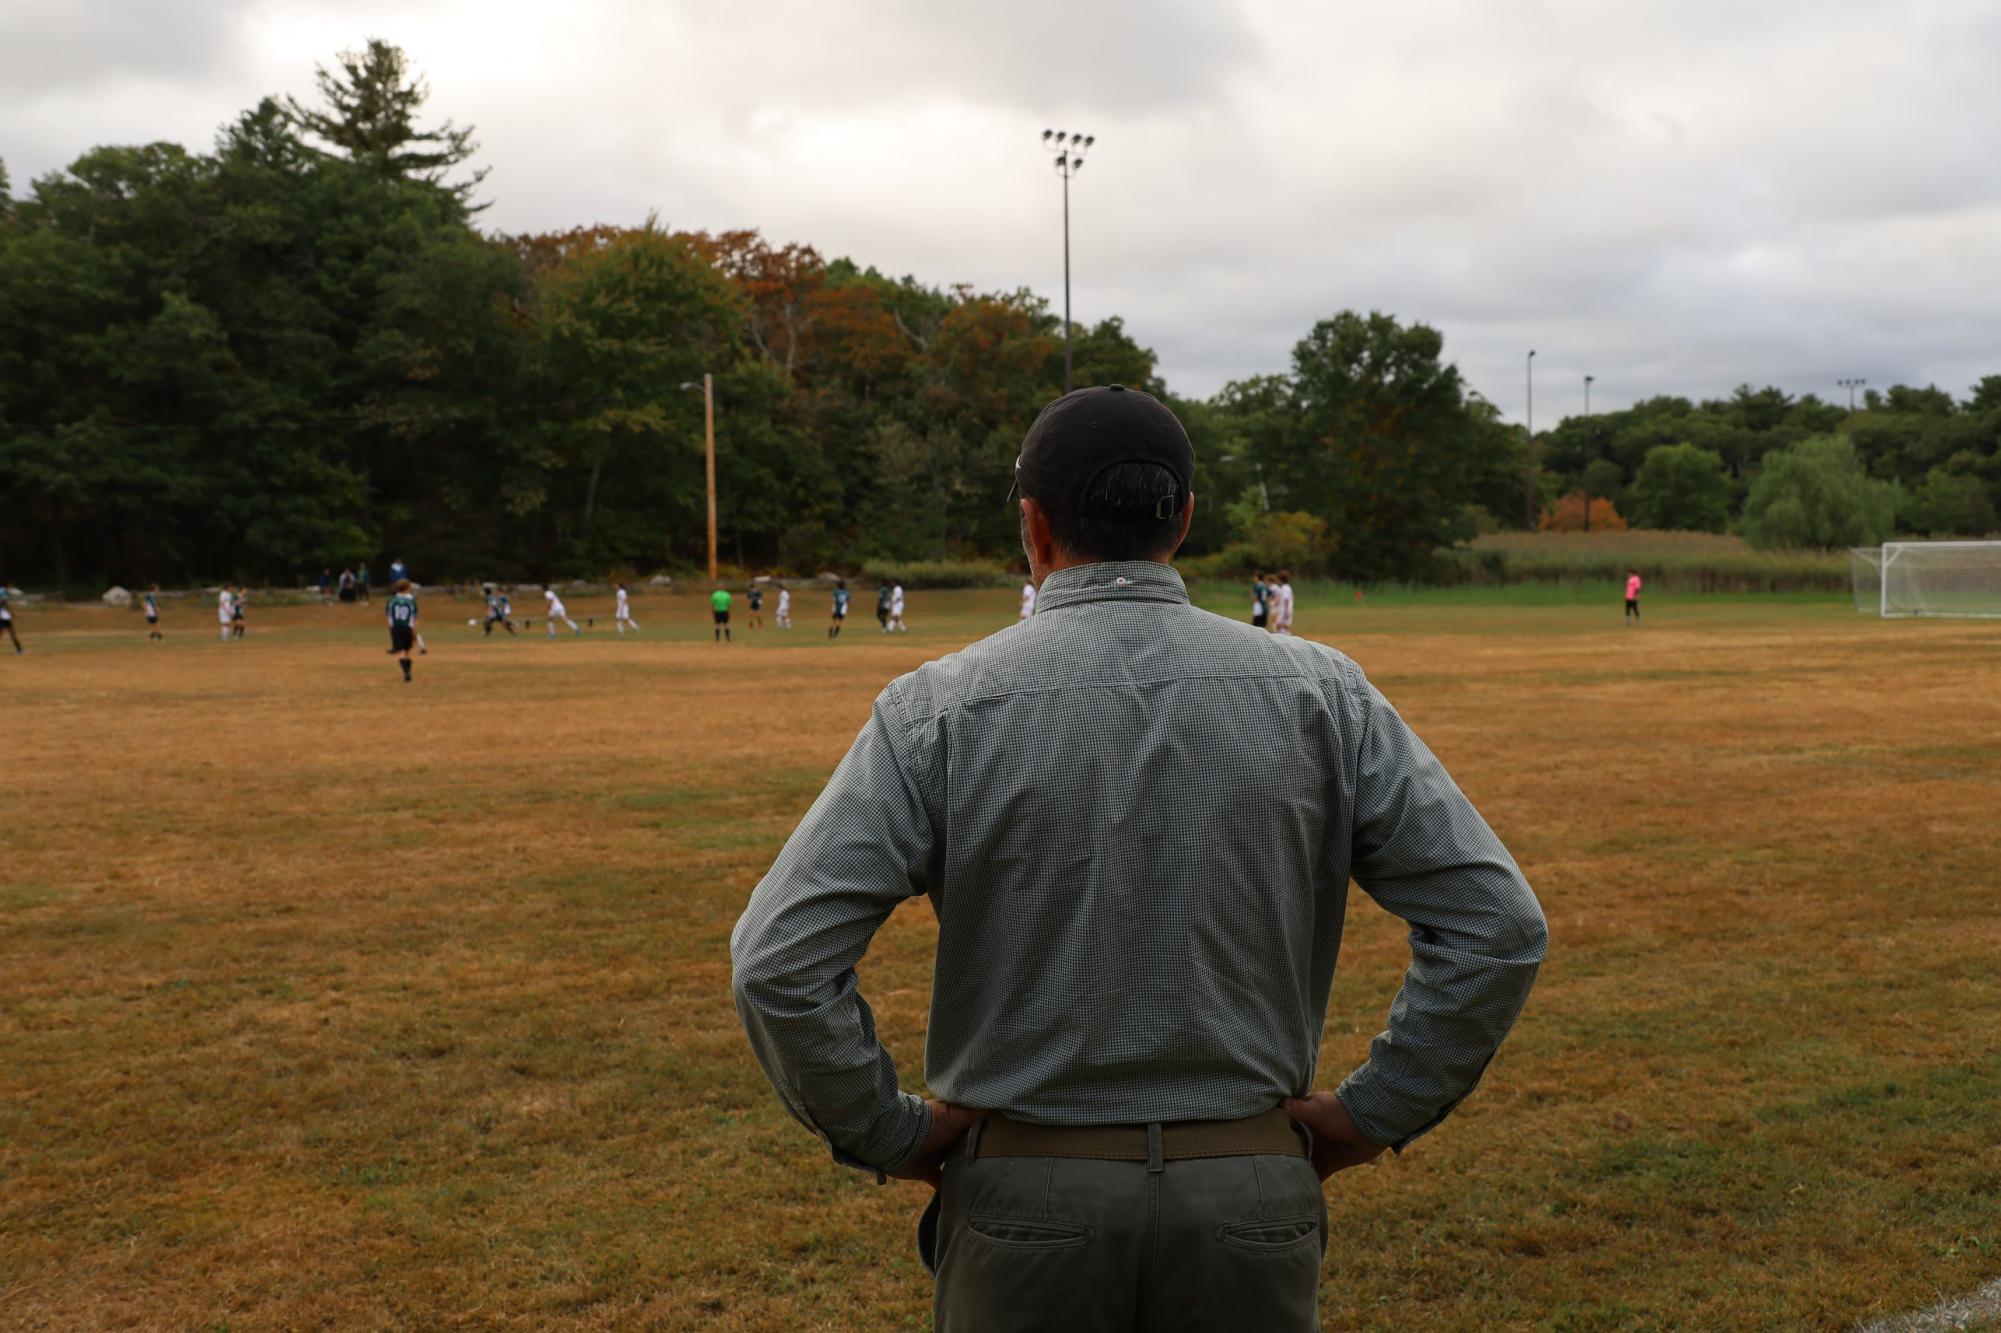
pixel 949 1124
pixel 1337 1144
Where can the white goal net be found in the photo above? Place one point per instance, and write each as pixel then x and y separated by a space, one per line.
pixel 1927 578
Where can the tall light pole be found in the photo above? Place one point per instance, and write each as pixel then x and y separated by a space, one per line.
pixel 1589 440
pixel 708 387
pixel 1528 488
pixel 1851 385
pixel 1070 150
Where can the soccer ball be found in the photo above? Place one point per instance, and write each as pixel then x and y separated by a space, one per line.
pixel 473 621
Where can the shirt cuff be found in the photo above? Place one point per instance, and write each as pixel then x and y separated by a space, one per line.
pixel 906 1129
pixel 1383 1115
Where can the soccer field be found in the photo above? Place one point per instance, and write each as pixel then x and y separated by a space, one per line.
pixel 327 1000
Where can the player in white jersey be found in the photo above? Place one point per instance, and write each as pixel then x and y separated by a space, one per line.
pixel 623 615
pixel 785 608
pixel 896 610
pixel 1282 603
pixel 556 612
pixel 1027 600
pixel 225 608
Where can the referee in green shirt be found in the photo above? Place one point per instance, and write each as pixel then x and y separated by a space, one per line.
pixel 1137 823
pixel 719 605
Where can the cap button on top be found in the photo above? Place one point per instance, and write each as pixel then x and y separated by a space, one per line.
pixel 1121 581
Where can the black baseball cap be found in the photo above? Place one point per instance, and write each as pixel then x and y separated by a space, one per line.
pixel 1076 437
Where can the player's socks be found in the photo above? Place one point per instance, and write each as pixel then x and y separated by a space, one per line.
pixel 406 668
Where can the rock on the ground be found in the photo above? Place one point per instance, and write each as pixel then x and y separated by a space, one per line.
pixel 660 581
pixel 117 596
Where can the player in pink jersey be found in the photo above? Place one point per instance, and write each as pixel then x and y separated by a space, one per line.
pixel 1633 596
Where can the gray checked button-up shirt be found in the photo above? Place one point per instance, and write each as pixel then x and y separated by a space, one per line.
pixel 1137 822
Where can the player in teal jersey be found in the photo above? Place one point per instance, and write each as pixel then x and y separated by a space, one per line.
pixel 153 614
pixel 402 610
pixel 841 597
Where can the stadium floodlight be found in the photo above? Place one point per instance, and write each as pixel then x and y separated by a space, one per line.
pixel 1900 579
pixel 1069 161
pixel 1528 491
pixel 1851 385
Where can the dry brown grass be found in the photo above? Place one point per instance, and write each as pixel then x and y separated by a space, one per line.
pixel 327 1001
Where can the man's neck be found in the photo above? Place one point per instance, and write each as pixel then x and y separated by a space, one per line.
pixel 1065 560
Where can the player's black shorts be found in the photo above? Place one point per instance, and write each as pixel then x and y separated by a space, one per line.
pixel 1260 619
pixel 756 603
pixel 840 615
pixel 152 620
pixel 402 638
pixel 722 617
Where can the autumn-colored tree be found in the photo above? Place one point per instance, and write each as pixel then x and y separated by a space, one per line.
pixel 1567 515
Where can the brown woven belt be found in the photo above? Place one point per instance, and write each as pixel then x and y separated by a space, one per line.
pixel 1271 1134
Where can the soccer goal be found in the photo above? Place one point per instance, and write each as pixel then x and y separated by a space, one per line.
pixel 1927 578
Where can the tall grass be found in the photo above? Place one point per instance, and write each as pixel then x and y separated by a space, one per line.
pixel 1667 561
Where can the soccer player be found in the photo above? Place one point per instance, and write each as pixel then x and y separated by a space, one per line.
pixel 1632 616
pixel 882 606
pixel 1027 600
pixel 1282 603
pixel 1260 600
pixel 153 614
pixel 236 614
pixel 326 584
pixel 623 616
pixel 841 599
pixel 224 602
pixel 756 605
pixel 402 611
pixel 7 618
pixel 556 612
pixel 785 608
pixel 361 581
pixel 896 610
pixel 498 611
pixel 719 604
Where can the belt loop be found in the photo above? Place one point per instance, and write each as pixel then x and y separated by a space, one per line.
pixel 973 1140
pixel 1155 1162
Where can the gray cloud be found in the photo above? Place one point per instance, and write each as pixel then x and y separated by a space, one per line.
pixel 1673 195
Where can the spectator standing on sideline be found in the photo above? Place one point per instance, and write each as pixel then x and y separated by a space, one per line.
pixel 1632 616
pixel 398 571
pixel 1137 823
pixel 326 584
pixel 346 585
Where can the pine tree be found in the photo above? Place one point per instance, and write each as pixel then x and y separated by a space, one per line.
pixel 372 102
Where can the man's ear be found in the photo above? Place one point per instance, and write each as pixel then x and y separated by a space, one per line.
pixel 1187 522
pixel 1038 540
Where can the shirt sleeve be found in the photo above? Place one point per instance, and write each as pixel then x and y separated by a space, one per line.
pixel 1477 934
pixel 864 847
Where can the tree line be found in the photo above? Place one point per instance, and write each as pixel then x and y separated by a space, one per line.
pixel 300 349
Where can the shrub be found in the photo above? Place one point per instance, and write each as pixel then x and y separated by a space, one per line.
pixel 1567 515
pixel 1682 487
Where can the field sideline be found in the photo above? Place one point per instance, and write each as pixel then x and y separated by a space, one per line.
pixel 331 1001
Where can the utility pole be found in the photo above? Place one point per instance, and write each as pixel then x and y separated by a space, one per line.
pixel 1069 161
pixel 1528 489
pixel 1851 385
pixel 708 388
pixel 709 424
pixel 1590 442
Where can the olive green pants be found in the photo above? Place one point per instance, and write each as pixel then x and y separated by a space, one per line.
pixel 1040 1243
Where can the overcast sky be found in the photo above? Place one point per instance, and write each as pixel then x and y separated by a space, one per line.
pixel 1672 195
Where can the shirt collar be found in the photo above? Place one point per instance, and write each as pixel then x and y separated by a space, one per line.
pixel 1125 580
